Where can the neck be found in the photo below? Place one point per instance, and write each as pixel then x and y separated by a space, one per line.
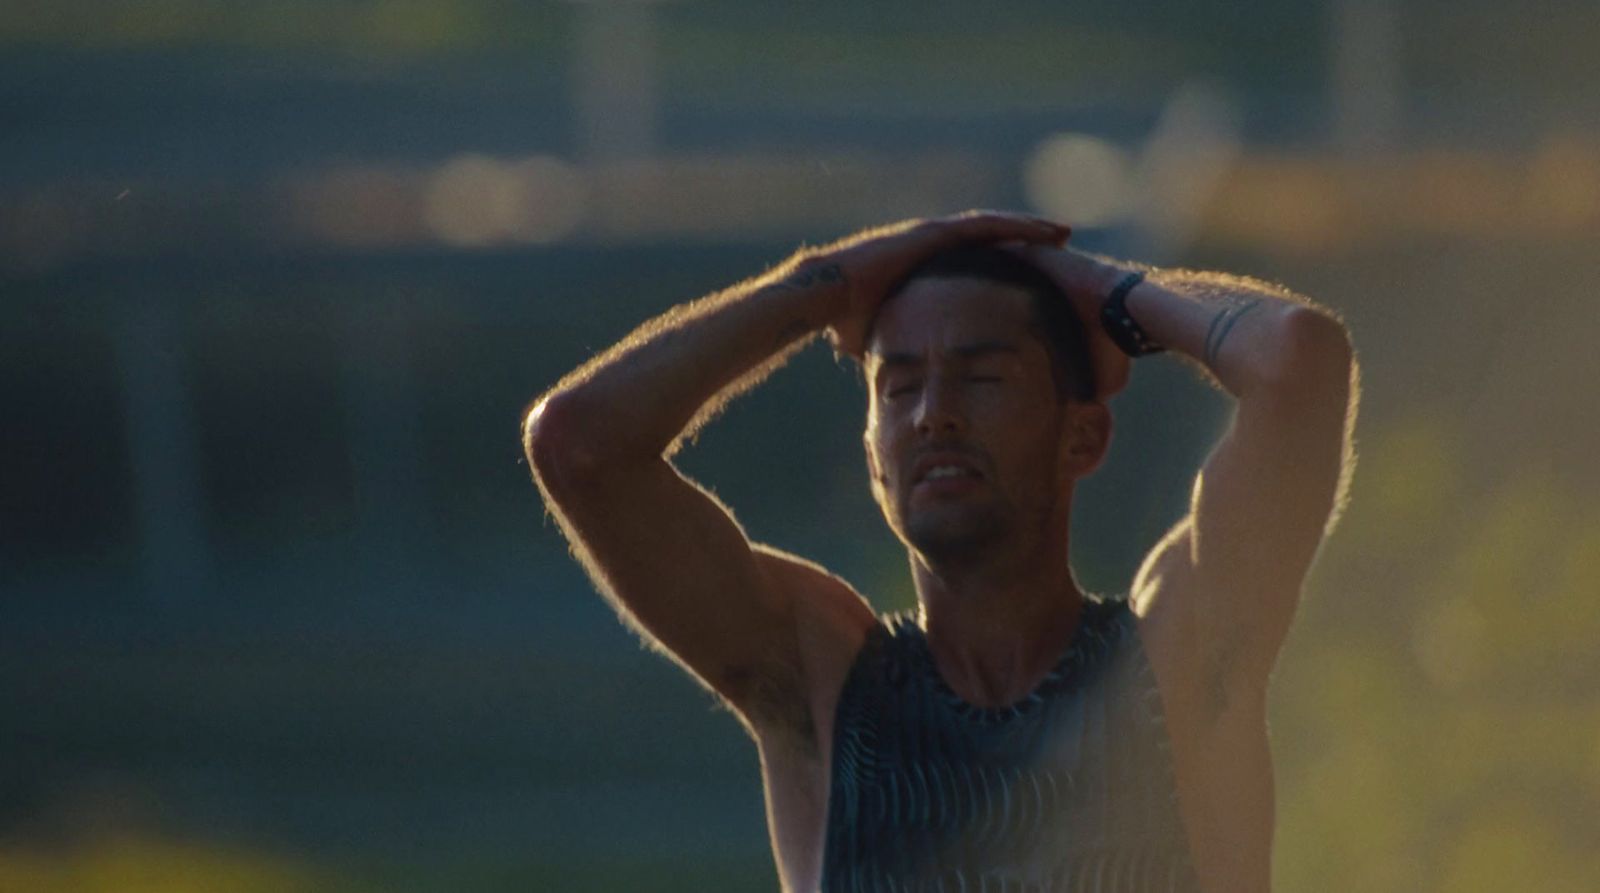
pixel 997 625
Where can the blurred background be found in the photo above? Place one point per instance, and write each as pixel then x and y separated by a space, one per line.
pixel 279 606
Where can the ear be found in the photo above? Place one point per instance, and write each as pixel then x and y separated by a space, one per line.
pixel 1087 438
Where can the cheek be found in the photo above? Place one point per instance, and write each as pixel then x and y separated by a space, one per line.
pixel 1031 452
pixel 878 454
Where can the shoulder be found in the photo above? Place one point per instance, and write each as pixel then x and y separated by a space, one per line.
pixel 806 576
pixel 825 605
pixel 1199 658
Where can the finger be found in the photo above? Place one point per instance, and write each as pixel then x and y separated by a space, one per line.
pixel 1030 252
pixel 1028 229
pixel 1002 227
pixel 1004 217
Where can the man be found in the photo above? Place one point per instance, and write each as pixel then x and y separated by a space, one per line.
pixel 1018 733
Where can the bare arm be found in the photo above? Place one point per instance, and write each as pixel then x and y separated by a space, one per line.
pixel 1217 594
pixel 1274 485
pixel 655 388
pixel 668 555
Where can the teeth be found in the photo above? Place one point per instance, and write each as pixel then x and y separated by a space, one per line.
pixel 946 471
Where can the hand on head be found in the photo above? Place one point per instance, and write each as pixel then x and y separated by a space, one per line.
pixel 1086 281
pixel 870 263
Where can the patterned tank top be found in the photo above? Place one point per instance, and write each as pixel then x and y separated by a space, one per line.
pixel 1069 789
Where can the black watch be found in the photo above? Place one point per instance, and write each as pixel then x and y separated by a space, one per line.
pixel 1124 332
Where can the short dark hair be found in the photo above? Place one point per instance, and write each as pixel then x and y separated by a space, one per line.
pixel 1054 322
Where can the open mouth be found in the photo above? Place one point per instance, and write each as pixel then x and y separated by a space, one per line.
pixel 949 473
pixel 945 473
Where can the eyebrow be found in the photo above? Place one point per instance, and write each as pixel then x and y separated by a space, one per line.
pixel 964 351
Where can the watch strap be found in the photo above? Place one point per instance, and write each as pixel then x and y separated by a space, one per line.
pixel 1127 334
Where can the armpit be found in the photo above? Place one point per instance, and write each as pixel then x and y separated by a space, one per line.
pixel 771 699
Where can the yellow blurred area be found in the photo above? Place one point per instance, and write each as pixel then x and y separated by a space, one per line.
pixel 1307 206
pixel 1320 206
pixel 147 864
pixel 1444 732
pixel 1508 851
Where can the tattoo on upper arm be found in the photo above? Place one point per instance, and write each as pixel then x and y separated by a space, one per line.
pixel 1222 657
pixel 1222 323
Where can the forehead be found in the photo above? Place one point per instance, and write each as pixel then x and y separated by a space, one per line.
pixel 936 316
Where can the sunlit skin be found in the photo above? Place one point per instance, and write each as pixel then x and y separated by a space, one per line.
pixel 957 377
pixel 954 367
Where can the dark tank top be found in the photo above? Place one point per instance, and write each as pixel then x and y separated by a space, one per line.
pixel 1069 789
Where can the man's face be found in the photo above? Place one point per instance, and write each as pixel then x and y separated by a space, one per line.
pixel 965 433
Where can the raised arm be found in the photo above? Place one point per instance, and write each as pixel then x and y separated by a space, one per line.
pixel 1276 483
pixel 742 618
pixel 1273 486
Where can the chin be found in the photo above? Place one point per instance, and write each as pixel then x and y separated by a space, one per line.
pixel 954 533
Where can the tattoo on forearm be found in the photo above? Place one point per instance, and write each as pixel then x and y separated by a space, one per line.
pixel 805 277
pixel 1223 322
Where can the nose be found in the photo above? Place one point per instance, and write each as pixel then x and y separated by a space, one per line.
pixel 939 409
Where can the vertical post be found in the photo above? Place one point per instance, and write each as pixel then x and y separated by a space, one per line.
pixel 1366 75
pixel 169 503
pixel 614 68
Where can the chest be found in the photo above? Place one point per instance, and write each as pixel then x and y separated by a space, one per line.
pixel 1075 778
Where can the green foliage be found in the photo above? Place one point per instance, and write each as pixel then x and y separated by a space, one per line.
pixel 1440 729
pixel 148 864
